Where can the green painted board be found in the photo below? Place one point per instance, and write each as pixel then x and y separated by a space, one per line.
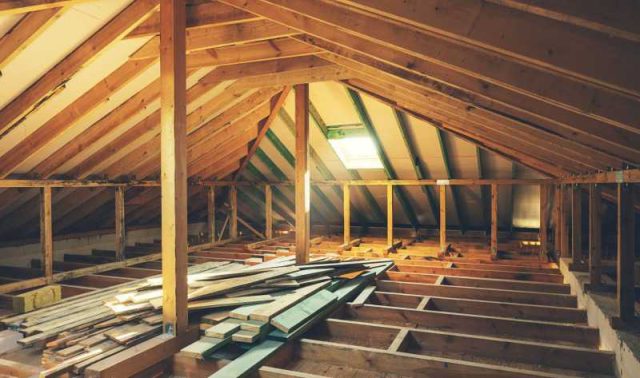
pixel 250 361
pixel 204 347
pixel 303 311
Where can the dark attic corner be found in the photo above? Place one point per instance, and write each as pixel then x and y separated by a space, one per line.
pixel 319 188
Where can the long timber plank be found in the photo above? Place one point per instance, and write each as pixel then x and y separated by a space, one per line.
pixel 498 295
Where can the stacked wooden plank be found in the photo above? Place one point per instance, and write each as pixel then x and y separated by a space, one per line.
pixel 291 312
pixel 83 330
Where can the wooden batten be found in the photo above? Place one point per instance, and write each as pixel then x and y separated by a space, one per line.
pixel 120 231
pixel 346 213
pixel 626 253
pixel 268 212
pixel 46 233
pixel 233 219
pixel 302 174
pixel 544 219
pixel 443 218
pixel 595 236
pixel 211 213
pixel 173 165
pixel 389 215
pixel 576 226
pixel 494 221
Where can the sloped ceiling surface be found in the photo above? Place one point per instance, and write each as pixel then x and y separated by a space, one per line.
pixel 446 92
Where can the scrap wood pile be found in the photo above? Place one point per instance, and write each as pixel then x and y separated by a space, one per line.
pixel 80 331
pixel 255 328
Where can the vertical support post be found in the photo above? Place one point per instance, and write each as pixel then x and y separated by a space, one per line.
pixel 346 213
pixel 494 221
pixel 544 219
pixel 173 153
pixel 121 237
pixel 233 220
pixel 389 215
pixel 576 227
pixel 557 235
pixel 302 174
pixel 626 253
pixel 595 236
pixel 211 213
pixel 564 222
pixel 268 212
pixel 443 218
pixel 46 232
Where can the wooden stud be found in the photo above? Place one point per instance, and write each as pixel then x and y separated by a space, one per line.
pixel 544 218
pixel 494 221
pixel 268 211
pixel 626 253
pixel 389 215
pixel 557 205
pixel 120 230
pixel 46 233
pixel 346 212
pixel 576 226
pixel 233 219
pixel 564 221
pixel 443 218
pixel 211 213
pixel 595 237
pixel 302 173
pixel 173 154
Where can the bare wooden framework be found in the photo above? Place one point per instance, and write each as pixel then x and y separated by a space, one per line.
pixel 174 165
pixel 595 236
pixel 233 209
pixel 576 226
pixel 443 218
pixel 389 215
pixel 544 219
pixel 626 253
pixel 346 213
pixel 120 229
pixel 268 212
pixel 302 174
pixel 46 233
pixel 494 221
pixel 211 213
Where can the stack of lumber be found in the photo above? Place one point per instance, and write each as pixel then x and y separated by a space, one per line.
pixel 253 326
pixel 80 331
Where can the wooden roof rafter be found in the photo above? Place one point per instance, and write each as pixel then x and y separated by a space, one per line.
pixel 282 11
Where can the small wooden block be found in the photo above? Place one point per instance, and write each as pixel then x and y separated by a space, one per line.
pixel 245 337
pixel 254 326
pixel 35 299
pixel 224 329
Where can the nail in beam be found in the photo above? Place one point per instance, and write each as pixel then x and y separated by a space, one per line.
pixel 595 236
pixel 346 212
pixel 389 215
pixel 268 212
pixel 121 238
pixel 494 221
pixel 211 213
pixel 46 232
pixel 626 252
pixel 173 154
pixel 302 175
pixel 443 218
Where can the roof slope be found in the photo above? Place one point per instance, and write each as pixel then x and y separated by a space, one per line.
pixel 452 89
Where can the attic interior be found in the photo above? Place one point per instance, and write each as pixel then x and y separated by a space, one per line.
pixel 325 188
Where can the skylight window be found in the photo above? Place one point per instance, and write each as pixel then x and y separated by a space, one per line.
pixel 355 147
